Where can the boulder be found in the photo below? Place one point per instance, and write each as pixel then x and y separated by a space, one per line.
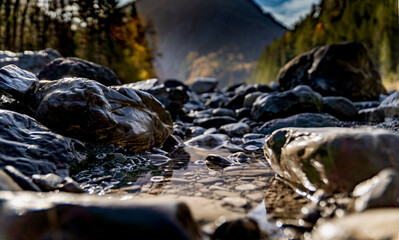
pixel 235 129
pixel 284 104
pixel 203 85
pixel 32 148
pixel 74 67
pixel 379 114
pixel 372 224
pixel 302 120
pixel 17 83
pixel 171 94
pixel 89 111
pixel 340 107
pixel 32 61
pixel 28 215
pixel 332 159
pixel 380 191
pixel 342 69
pixel 7 183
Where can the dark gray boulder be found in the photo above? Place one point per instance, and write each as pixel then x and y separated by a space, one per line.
pixel 332 159
pixel 342 69
pixel 203 85
pixel 32 61
pixel 235 129
pixel 340 107
pixel 89 111
pixel 82 216
pixel 16 82
pixel 302 120
pixel 75 67
pixel 32 148
pixel 284 104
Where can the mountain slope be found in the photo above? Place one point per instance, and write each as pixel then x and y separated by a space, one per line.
pixel 208 38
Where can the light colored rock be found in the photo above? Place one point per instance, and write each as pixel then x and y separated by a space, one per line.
pixel 235 201
pixel 210 180
pixel 245 187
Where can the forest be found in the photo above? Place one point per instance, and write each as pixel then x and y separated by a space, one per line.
pixel 373 23
pixel 96 30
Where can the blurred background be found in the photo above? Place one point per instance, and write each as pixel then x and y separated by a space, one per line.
pixel 234 41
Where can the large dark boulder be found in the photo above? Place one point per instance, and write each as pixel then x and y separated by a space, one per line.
pixel 27 215
pixel 342 69
pixel 284 104
pixel 333 159
pixel 75 67
pixel 89 111
pixel 32 61
pixel 16 82
pixel 33 149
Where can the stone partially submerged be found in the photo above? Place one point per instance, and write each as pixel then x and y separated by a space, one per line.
pixel 89 111
pixel 333 159
pixel 33 149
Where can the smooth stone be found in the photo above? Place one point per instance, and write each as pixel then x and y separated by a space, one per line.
pixel 284 104
pixel 372 224
pixel 91 112
pixel 203 85
pixel 250 99
pixel 83 216
pixel 340 107
pixel 217 161
pixel 243 113
pixel 317 158
pixel 74 67
pixel 17 83
pixel 242 228
pixel 235 129
pixel 246 187
pixel 238 202
pixel 214 121
pixel 342 69
pixel 379 114
pixel 223 112
pixel 48 182
pixel 32 148
pixel 239 158
pixel 304 120
pixel 32 61
pixel 7 183
pixel 210 180
pixel 380 191
pixel 208 141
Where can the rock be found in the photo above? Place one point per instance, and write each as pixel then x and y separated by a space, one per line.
pixel 203 85
pixel 238 157
pixel 208 141
pixel 223 112
pixel 210 180
pixel 340 107
pixel 372 224
pixel 214 121
pixel 366 104
pixel 32 148
pixel 379 114
pixel 80 216
pixel 217 162
pixel 21 179
pixel 380 191
pixel 235 129
pixel 243 228
pixel 172 94
pixel 279 105
pixel 303 120
pixel 332 159
pixel 243 113
pixel 17 83
pixel 342 69
pixel 238 202
pixel 245 187
pixel 391 100
pixel 251 98
pixel 7 183
pixel 216 100
pixel 89 111
pixel 32 61
pixel 74 67
pixel 48 182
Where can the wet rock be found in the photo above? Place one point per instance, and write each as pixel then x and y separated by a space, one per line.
pixel 89 111
pixel 214 121
pixel 215 161
pixel 48 182
pixel 342 69
pixel 223 112
pixel 21 179
pixel 317 158
pixel 379 114
pixel 32 61
pixel 339 107
pixel 32 148
pixel 243 228
pixel 74 67
pixel 173 95
pixel 17 83
pixel 366 104
pixel 235 129
pixel 250 99
pixel 380 191
pixel 208 141
pixel 372 224
pixel 203 85
pixel 7 183
pixel 195 131
pixel 304 120
pixel 391 100
pixel 279 105
pixel 81 216
pixel 243 113
pixel 238 158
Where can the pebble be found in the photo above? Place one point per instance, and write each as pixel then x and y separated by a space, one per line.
pixel 210 180
pixel 245 187
pixel 235 201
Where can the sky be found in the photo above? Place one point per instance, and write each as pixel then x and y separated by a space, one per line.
pixel 287 12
